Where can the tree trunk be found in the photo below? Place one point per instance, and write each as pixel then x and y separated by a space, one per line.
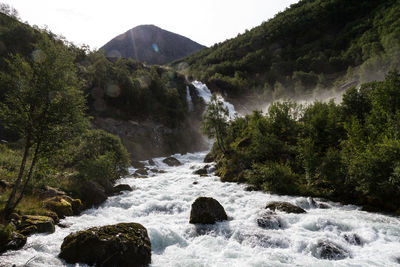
pixel 28 177
pixel 9 206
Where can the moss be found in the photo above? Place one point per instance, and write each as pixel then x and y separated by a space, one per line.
pixel 124 244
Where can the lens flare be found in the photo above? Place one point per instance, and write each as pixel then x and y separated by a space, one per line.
pixel 113 90
pixel 155 47
pixel 38 56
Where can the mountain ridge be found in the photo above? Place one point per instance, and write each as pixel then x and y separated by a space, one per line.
pixel 151 44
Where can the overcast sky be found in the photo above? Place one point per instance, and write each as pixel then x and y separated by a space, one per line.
pixel 95 22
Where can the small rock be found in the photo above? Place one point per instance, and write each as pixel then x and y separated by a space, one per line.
pixel 285 207
pixel 202 171
pixel 195 182
pixel 171 161
pixel 138 164
pixel 353 239
pixel 270 220
pixel 141 172
pixel 323 206
pixel 151 162
pixel 251 188
pixel 330 251
pixel 122 187
pixel 124 244
pixel 155 170
pixel 206 210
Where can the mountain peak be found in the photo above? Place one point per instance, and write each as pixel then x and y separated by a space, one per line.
pixel 151 44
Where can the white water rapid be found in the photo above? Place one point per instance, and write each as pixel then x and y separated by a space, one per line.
pixel 162 204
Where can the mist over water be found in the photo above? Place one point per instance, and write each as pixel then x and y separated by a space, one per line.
pixel 162 204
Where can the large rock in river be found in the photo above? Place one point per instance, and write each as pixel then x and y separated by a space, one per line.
pixel 285 207
pixel 124 244
pixel 171 161
pixel 93 194
pixel 31 224
pixel 207 210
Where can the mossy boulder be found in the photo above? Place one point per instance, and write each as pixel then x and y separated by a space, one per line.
pixel 92 194
pixel 10 239
pixel 124 244
pixel 171 161
pixel 60 206
pixel 31 224
pixel 285 207
pixel 206 210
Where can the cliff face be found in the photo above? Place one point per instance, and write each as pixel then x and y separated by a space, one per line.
pixel 150 44
pixel 145 139
pixel 150 139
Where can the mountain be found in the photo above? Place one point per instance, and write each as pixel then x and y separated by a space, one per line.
pixel 146 106
pixel 312 45
pixel 151 44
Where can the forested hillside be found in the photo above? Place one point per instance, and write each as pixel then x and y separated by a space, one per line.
pixel 348 152
pixel 312 45
pixel 121 93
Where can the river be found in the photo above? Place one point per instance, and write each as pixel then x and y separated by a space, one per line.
pixel 162 204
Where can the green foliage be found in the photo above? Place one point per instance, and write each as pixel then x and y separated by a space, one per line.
pixel 348 152
pixel 215 121
pixel 274 177
pixel 310 44
pixel 101 156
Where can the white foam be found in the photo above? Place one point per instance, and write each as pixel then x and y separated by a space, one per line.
pixel 162 204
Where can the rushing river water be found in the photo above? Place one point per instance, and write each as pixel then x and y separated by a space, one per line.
pixel 162 204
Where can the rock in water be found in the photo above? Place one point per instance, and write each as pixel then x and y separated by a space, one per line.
pixel 207 210
pixel 330 251
pixel 124 244
pixel 118 189
pixel 93 194
pixel 31 224
pixel 284 206
pixel 171 161
pixel 14 241
pixel 270 220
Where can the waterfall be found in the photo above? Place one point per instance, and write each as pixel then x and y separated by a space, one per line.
pixel 189 99
pixel 205 93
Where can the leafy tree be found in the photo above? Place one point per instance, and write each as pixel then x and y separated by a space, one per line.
pixel 45 105
pixel 214 122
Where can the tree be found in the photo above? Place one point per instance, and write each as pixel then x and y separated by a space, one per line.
pixel 215 121
pixel 46 106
